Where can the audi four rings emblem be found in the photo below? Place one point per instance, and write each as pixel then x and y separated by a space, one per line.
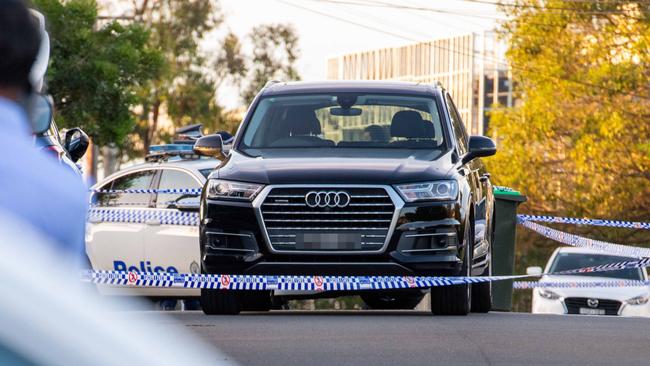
pixel 327 199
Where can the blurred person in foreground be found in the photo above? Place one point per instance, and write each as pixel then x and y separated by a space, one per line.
pixel 33 186
pixel 45 320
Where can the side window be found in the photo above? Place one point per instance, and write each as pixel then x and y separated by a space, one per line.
pixel 458 127
pixel 175 179
pixel 138 180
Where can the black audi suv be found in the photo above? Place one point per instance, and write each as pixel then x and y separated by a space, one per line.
pixel 350 178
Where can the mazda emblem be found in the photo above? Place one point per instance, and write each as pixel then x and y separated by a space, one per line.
pixel 592 303
pixel 330 199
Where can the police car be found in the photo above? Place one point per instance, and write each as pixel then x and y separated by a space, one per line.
pixel 150 231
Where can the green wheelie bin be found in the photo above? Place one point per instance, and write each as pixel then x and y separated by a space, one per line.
pixel 503 248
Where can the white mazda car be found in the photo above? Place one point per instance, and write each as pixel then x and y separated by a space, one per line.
pixel 623 301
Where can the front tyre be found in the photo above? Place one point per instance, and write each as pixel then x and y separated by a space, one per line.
pixel 456 299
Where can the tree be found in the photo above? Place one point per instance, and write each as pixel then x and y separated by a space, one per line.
pixel 177 28
pixel 94 71
pixel 275 51
pixel 578 142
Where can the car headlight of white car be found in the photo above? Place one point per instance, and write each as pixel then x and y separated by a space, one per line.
pixel 224 189
pixel 441 190
pixel 548 294
pixel 638 300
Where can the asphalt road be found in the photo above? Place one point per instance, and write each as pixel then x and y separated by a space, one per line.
pixel 417 338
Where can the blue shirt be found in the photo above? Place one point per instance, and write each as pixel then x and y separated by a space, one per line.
pixel 37 188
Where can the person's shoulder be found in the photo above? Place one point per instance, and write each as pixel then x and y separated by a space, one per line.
pixel 56 181
pixel 13 117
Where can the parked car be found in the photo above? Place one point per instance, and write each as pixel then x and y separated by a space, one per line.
pixel 150 246
pixel 70 151
pixel 350 178
pixel 624 301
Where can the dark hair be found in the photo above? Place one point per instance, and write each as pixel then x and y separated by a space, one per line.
pixel 20 40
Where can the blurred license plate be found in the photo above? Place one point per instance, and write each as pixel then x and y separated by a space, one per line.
pixel 587 311
pixel 329 241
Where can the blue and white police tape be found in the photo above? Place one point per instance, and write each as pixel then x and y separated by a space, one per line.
pixel 262 282
pixel 524 285
pixel 166 217
pixel 314 283
pixel 578 241
pixel 590 222
pixel 195 191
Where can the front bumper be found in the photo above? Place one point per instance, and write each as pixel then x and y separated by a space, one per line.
pixel 424 239
pixel 558 306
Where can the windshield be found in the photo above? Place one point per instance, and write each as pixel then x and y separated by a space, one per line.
pixel 344 121
pixel 568 261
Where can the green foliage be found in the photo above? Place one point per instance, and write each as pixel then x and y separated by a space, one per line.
pixel 94 70
pixel 177 27
pixel 275 51
pixel 577 143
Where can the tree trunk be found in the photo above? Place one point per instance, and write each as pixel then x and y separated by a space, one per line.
pixel 151 131
pixel 110 155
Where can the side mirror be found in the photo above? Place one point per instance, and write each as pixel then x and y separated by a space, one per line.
pixel 76 143
pixel 534 271
pixel 479 146
pixel 40 113
pixel 211 145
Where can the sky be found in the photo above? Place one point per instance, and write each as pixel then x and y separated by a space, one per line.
pixel 325 27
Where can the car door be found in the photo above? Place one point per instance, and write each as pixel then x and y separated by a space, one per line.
pixel 169 247
pixel 114 234
pixel 473 170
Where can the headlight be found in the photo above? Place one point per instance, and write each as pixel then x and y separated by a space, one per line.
pixel 218 188
pixel 442 190
pixel 639 300
pixel 547 294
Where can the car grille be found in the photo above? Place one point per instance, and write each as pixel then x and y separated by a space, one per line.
pixel 293 226
pixel 573 305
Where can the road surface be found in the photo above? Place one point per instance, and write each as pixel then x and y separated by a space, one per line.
pixel 416 338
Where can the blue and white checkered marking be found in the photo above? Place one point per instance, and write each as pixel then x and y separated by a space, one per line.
pixel 591 222
pixel 314 283
pixel 165 216
pixel 578 241
pixel 524 285
pixel 196 191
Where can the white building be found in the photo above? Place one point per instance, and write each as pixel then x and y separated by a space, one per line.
pixel 469 66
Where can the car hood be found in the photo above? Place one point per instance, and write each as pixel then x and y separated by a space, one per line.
pixel 312 168
pixel 613 293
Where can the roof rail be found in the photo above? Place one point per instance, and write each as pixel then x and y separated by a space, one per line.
pixel 271 82
pixel 438 84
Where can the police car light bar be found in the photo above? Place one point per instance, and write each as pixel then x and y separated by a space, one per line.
pixel 165 151
pixel 170 148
